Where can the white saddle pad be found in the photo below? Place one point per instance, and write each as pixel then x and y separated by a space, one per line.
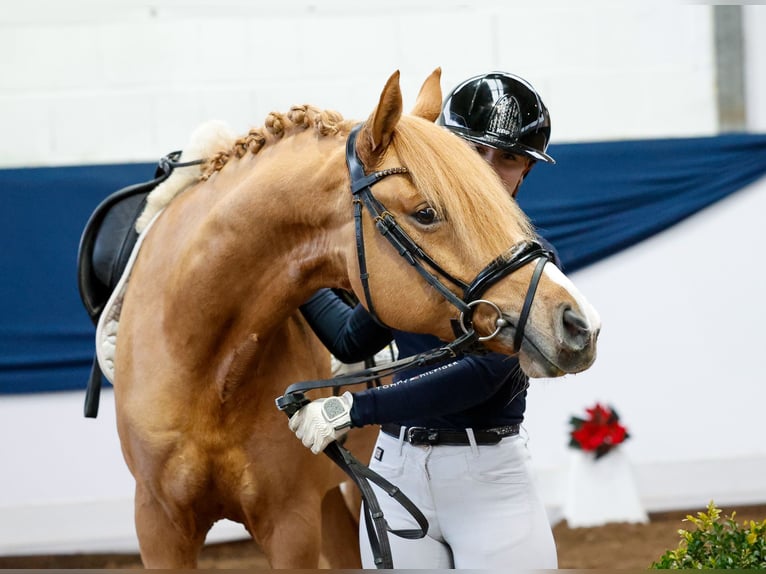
pixel 108 323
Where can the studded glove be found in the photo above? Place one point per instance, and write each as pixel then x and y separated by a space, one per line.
pixel 322 421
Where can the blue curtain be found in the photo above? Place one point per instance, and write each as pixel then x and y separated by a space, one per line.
pixel 603 197
pixel 598 199
pixel 46 338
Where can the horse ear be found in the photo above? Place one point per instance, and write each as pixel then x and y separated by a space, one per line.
pixel 378 130
pixel 429 102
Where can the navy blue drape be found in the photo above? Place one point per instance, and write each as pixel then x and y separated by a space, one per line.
pixel 46 338
pixel 598 199
pixel 603 197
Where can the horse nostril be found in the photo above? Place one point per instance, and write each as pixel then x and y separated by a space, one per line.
pixel 576 329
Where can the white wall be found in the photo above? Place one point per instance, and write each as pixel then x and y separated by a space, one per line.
pixel 754 25
pixel 84 82
pixel 64 486
pixel 115 81
pixel 680 358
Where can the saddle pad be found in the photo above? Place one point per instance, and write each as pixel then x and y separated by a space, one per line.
pixel 109 321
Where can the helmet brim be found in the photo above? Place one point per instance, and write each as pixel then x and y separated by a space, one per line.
pixel 536 154
pixel 517 148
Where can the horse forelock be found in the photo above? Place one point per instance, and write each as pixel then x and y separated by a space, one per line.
pixel 460 186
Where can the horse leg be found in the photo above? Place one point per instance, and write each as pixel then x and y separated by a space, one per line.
pixel 166 541
pixel 340 538
pixel 289 533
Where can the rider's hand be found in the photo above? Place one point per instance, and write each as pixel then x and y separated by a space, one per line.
pixel 322 421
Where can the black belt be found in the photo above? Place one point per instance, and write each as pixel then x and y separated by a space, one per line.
pixel 423 436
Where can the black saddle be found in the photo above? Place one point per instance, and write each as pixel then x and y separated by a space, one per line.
pixel 105 247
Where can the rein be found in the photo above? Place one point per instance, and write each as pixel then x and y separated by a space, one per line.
pixel 377 527
pixel 466 338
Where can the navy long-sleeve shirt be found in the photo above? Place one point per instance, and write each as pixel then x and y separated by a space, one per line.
pixel 471 391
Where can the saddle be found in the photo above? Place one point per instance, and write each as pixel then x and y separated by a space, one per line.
pixel 105 247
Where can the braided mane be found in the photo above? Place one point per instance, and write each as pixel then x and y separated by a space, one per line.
pixel 276 127
pixel 217 144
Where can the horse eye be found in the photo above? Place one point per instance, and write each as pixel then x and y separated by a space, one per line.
pixel 426 216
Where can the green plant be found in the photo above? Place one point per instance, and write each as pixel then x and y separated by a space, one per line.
pixel 718 543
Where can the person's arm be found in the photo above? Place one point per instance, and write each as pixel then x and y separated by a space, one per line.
pixel 350 333
pixel 445 389
pixel 449 388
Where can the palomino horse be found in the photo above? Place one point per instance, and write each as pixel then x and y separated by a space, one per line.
pixel 209 333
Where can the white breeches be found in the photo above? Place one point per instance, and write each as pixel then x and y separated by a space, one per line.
pixel 481 503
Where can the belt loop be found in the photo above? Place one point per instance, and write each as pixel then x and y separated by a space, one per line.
pixel 402 433
pixel 472 441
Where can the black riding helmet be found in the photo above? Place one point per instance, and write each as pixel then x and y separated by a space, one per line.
pixel 502 111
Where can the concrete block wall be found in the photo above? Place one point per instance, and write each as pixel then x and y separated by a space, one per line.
pixel 93 82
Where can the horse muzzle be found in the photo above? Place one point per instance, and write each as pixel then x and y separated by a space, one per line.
pixel 570 348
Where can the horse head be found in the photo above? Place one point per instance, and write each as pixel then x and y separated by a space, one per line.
pixel 426 189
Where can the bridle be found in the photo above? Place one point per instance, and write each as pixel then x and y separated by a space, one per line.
pixel 385 222
pixel 466 338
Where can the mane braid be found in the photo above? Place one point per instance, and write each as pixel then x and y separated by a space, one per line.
pixel 276 127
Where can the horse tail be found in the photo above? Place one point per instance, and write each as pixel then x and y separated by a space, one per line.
pixel 206 141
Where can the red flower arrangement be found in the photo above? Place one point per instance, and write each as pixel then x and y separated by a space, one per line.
pixel 599 433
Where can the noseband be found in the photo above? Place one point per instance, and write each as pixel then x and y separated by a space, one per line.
pixel 521 254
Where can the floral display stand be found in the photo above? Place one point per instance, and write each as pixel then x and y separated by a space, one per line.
pixel 601 490
pixel 600 484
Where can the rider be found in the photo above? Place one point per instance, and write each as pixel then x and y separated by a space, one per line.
pixel 471 478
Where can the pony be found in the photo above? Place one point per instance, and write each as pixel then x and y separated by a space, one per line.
pixel 209 334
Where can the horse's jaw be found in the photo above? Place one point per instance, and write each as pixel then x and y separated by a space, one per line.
pixel 539 367
pixel 538 364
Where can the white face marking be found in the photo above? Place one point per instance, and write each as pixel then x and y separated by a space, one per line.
pixel 591 315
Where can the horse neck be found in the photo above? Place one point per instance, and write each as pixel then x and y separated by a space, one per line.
pixel 273 236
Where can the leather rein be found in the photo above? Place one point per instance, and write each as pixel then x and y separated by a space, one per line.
pixel 466 338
